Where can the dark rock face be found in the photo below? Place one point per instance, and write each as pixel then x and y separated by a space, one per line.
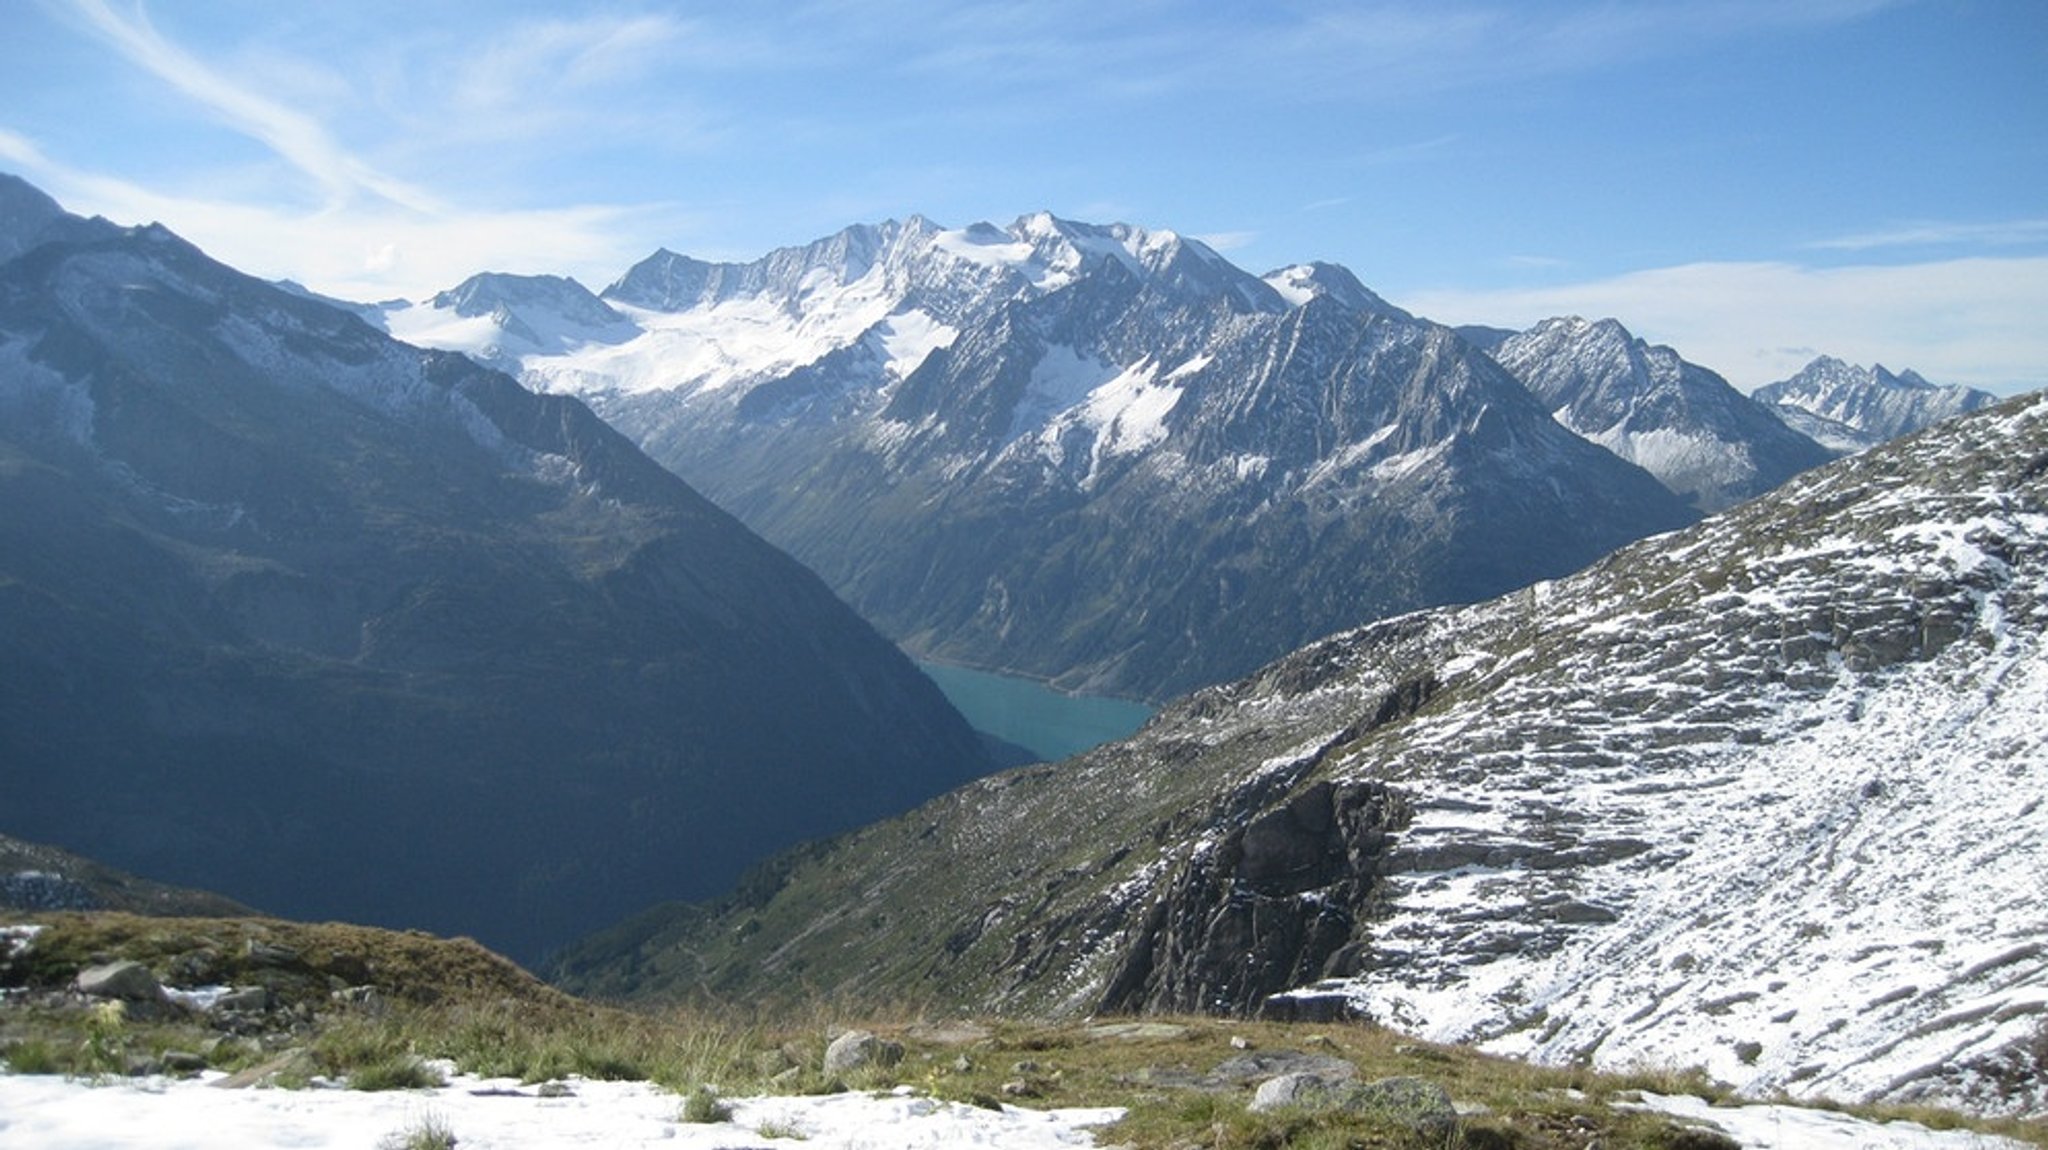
pixel 1276 906
pixel 355 631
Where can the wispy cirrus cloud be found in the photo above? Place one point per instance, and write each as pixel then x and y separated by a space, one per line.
pixel 298 139
pixel 1936 233
pixel 367 251
pixel 1970 321
pixel 365 233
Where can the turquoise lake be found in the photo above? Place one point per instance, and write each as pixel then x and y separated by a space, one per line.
pixel 1051 724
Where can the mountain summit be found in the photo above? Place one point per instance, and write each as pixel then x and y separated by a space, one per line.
pixel 1849 408
pixel 1703 439
pixel 1098 454
pixel 347 629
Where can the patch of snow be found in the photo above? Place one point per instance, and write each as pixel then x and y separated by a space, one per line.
pixel 1768 1127
pixel 53 1113
pixel 17 938
pixel 199 998
pixel 1295 284
pixel 909 336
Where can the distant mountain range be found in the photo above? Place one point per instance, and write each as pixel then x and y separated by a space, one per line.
pixel 1846 408
pixel 1699 436
pixel 1105 456
pixel 1762 796
pixel 348 629
pixel 1099 455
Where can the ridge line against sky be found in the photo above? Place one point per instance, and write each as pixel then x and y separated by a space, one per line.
pixel 1752 182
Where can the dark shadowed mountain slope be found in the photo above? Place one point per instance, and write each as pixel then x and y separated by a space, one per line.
pixel 1703 439
pixel 346 629
pixel 1097 454
pixel 1764 796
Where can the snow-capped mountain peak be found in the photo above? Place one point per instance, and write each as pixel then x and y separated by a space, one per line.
pixel 1053 368
pixel 1685 424
pixel 1849 408
pixel 1299 283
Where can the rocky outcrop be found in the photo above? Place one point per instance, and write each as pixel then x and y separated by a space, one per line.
pixel 1274 905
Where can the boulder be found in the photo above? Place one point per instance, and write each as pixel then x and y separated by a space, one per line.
pixel 131 981
pixel 1415 1103
pixel 857 1049
pixel 244 1000
pixel 1302 1091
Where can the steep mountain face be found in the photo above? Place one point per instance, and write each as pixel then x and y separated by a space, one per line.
pixel 1763 796
pixel 346 629
pixel 1099 455
pixel 1699 436
pixel 1849 408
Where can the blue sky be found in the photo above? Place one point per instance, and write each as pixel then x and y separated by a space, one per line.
pixel 1753 182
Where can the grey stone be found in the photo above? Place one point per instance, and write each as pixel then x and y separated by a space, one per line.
pixel 244 1000
pixel 1298 1091
pixel 1416 1103
pixel 1275 1063
pixel 1138 1031
pixel 857 1049
pixel 184 1062
pixel 271 954
pixel 1412 1102
pixel 293 1063
pixel 125 980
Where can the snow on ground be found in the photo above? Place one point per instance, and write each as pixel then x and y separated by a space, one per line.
pixel 52 1113
pixel 1787 1127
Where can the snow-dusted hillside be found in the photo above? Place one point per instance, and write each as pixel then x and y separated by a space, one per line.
pixel 1848 408
pixel 1768 795
pixel 1702 438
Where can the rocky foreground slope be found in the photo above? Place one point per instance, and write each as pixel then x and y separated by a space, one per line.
pixel 1764 796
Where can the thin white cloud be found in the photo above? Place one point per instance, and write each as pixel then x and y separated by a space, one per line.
pixel 368 251
pixel 1932 233
pixel 298 139
pixel 522 66
pixel 1970 321
pixel 1228 241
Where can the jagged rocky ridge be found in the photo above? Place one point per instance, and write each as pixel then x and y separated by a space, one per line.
pixel 346 629
pixel 1763 796
pixel 1100 455
pixel 1847 408
pixel 1684 424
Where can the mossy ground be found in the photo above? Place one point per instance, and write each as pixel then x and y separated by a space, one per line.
pixel 454 1001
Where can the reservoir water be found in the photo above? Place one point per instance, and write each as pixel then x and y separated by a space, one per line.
pixel 1050 724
